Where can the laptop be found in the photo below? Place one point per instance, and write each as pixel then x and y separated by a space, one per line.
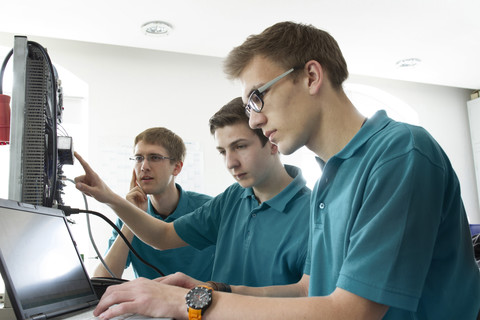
pixel 43 272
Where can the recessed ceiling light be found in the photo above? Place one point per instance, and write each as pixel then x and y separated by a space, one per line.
pixel 408 63
pixel 156 28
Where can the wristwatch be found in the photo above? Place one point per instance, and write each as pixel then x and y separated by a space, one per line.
pixel 198 300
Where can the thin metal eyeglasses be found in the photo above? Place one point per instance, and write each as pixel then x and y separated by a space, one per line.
pixel 255 100
pixel 150 158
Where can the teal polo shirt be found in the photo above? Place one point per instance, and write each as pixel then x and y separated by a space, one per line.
pixel 256 245
pixel 172 260
pixel 388 224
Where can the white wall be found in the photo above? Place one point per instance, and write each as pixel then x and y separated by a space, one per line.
pixel 132 89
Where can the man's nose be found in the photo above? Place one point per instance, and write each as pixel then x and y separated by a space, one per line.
pixel 145 164
pixel 256 120
pixel 231 160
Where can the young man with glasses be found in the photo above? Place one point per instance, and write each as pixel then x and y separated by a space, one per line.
pixel 158 158
pixel 389 235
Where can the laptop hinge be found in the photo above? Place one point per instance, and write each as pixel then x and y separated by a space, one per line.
pixel 39 316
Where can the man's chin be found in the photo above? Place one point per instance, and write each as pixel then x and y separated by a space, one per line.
pixel 147 189
pixel 287 149
pixel 245 183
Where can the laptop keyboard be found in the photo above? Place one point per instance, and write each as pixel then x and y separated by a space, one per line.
pixel 87 315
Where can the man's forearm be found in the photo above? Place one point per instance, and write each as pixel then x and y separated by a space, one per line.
pixel 299 289
pixel 116 256
pixel 158 234
pixel 340 304
pixel 101 271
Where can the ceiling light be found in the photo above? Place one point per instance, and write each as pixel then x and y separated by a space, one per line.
pixel 156 28
pixel 408 63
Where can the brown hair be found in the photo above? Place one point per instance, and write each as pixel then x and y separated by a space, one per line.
pixel 163 137
pixel 230 114
pixel 290 45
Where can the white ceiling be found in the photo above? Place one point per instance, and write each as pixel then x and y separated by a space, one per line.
pixel 373 34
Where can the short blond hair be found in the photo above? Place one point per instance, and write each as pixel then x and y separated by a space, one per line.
pixel 167 139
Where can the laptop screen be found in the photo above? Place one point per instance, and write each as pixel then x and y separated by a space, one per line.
pixel 40 259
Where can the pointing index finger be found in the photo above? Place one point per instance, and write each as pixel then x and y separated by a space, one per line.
pixel 84 164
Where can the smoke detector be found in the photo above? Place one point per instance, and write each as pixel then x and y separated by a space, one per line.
pixel 157 28
pixel 408 63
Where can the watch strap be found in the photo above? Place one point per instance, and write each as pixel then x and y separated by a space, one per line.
pixel 194 314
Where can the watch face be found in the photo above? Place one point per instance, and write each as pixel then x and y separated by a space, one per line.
pixel 199 298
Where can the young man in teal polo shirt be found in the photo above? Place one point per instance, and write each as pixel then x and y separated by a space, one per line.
pixel 158 159
pixel 389 236
pixel 258 224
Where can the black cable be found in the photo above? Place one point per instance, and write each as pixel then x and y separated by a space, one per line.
pixel 68 211
pixel 2 71
pixel 90 235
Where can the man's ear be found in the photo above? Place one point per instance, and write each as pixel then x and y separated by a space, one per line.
pixel 315 76
pixel 178 168
pixel 273 148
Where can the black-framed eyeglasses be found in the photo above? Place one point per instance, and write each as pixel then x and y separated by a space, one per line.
pixel 255 100
pixel 150 158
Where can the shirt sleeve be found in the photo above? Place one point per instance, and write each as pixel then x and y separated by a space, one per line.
pixel 200 227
